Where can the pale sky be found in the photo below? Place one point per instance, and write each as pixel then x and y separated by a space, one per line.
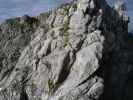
pixel 12 8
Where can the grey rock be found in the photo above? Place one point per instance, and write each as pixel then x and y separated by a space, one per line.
pixel 78 22
pixel 70 53
pixel 96 90
pixel 59 20
pixel 83 5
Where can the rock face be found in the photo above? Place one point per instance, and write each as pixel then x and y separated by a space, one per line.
pixel 79 51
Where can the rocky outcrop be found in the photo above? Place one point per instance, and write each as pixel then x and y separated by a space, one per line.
pixel 79 51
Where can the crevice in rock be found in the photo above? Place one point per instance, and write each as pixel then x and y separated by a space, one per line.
pixel 37 62
pixel 65 71
pixel 48 50
pixel 23 95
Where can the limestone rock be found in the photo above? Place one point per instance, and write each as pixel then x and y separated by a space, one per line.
pixel 71 53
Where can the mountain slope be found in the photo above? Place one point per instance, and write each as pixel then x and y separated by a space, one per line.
pixel 79 51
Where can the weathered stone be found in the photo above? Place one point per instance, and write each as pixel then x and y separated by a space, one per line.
pixel 87 62
pixel 96 90
pixel 78 23
pixel 71 53
pixel 93 37
pixel 58 20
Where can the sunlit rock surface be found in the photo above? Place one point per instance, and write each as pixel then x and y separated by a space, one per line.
pixel 79 51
